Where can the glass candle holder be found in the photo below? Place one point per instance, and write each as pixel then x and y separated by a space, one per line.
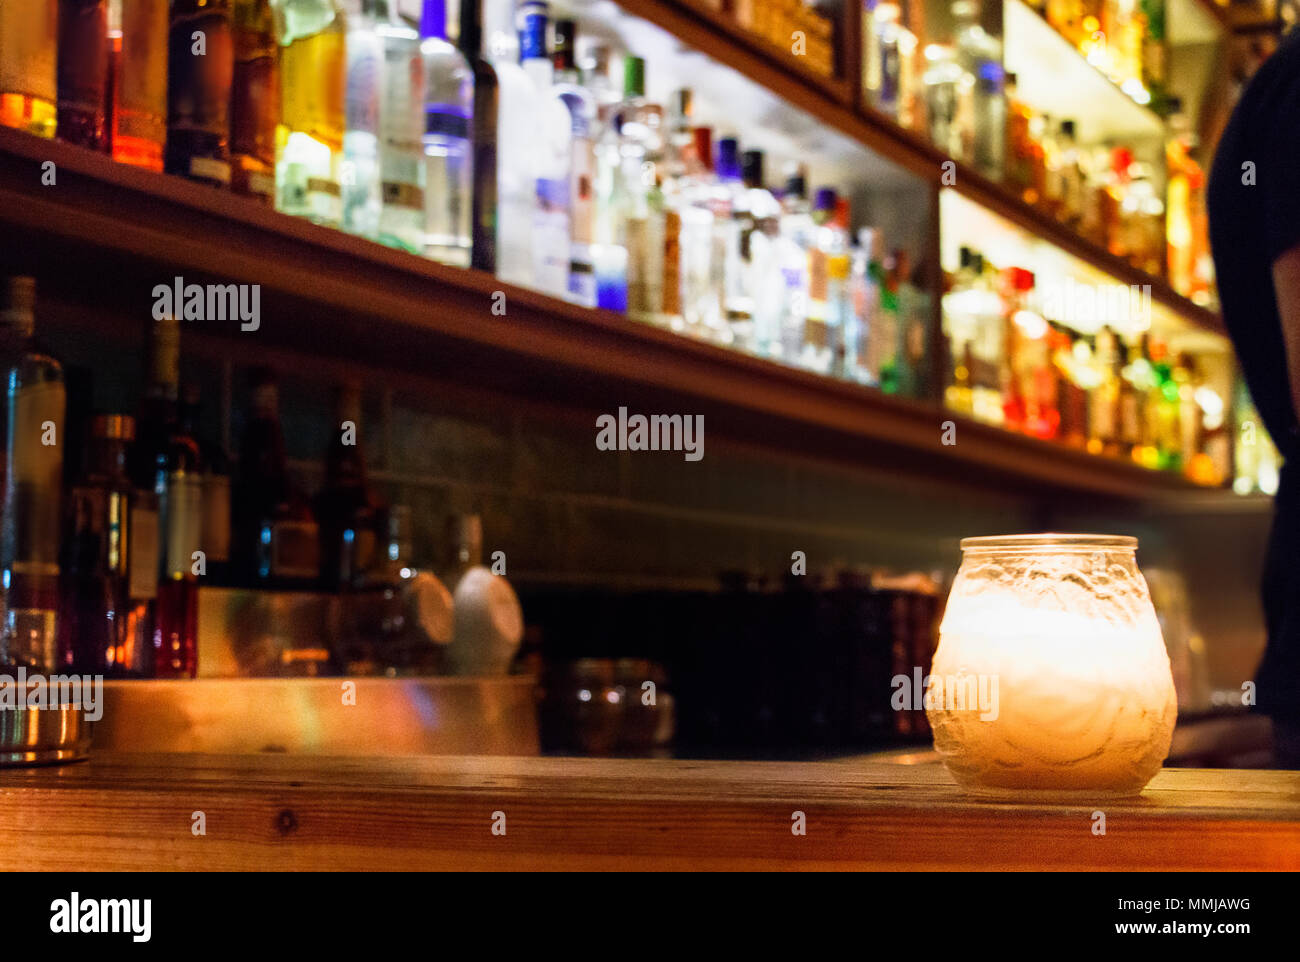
pixel 1051 679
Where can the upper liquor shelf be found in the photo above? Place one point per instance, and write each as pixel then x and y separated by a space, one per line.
pixel 105 234
pixel 1051 68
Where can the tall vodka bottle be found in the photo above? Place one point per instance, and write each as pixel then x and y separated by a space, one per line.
pixel 359 173
pixel 551 146
pixel 401 127
pixel 35 401
pixel 516 125
pixel 448 112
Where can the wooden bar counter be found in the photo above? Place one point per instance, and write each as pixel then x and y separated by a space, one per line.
pixel 278 812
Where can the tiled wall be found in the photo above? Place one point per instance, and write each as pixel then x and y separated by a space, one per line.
pixel 566 513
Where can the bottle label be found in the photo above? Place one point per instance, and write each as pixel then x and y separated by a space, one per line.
pixel 216 517
pixel 36 470
pixel 445 122
pixel 295 549
pixel 142 576
pixel 363 82
pixel 184 522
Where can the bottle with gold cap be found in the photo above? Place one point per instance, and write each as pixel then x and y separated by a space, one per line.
pixel 31 432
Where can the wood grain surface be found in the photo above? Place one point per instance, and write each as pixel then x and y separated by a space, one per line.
pixel 280 812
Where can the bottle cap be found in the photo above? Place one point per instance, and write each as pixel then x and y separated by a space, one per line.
pixel 633 77
pixel 433 19
pixel 530 22
pixel 113 427
pixel 824 199
pixel 796 184
pixel 1067 128
pixel 751 168
pixel 728 165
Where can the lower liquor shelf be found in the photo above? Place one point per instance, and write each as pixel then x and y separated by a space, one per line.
pixel 103 236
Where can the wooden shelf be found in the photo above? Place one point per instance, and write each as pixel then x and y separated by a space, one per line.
pixel 106 233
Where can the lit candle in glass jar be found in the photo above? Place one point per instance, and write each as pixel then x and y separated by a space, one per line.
pixel 1051 677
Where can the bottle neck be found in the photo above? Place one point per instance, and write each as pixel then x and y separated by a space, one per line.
pixel 471 29
pixel 433 20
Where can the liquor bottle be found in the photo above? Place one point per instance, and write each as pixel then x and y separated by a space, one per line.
pixel 165 461
pixel 677 160
pixel 581 106
pixel 943 96
pixel 137 95
pixel 888 56
pixel 29 32
pixel 613 209
pixel 448 114
pixel 980 56
pixel 214 525
pixel 200 66
pixel 483 139
pixel 702 296
pixel 83 72
pixel 794 241
pixel 830 239
pixel 254 101
pixel 346 510
pixel 276 540
pixel 365 80
pixel 101 630
pixel 33 426
pixel 761 286
pixel 309 137
pixel 516 124
pixel 551 154
pixel 728 225
pixel 401 129
pixel 1104 399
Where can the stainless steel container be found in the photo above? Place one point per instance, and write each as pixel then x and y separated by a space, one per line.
pixel 43 736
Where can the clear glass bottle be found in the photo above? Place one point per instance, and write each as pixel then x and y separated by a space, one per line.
pixel 581 106
pixel 761 286
pixel 551 154
pixel 516 120
pixel 794 243
pixel 401 128
pixel 29 33
pixel 83 72
pixel 254 101
pixel 33 428
pixel 359 172
pixel 448 113
pixel 199 73
pixel 137 113
pixel 309 138
pixel 979 54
